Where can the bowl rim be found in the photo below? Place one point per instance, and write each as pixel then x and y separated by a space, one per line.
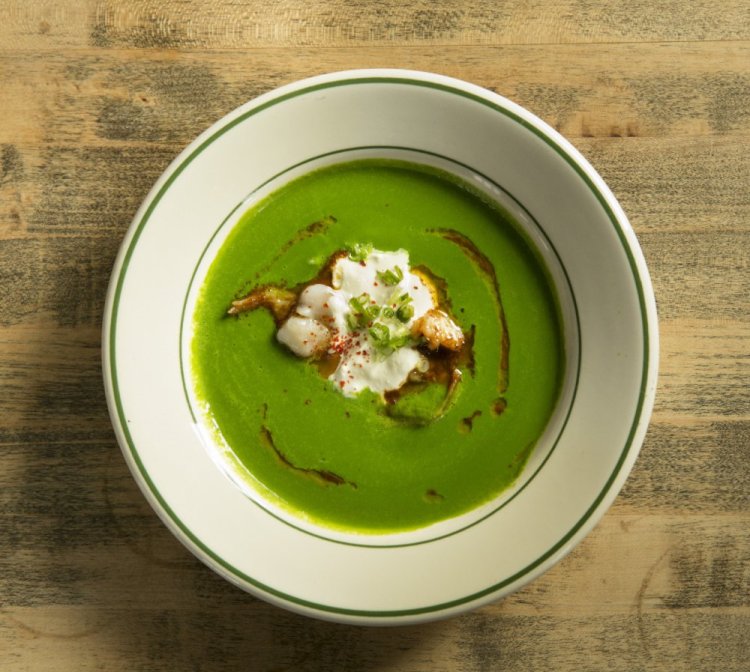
pixel 596 185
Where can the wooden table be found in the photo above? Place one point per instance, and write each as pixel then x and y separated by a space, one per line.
pixel 96 98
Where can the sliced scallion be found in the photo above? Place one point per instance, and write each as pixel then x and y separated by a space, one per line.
pixel 391 276
pixel 359 251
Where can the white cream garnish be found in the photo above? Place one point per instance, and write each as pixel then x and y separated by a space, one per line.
pixel 354 278
pixel 367 315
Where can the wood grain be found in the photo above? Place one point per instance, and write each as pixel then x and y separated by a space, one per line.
pixel 191 24
pixel 98 96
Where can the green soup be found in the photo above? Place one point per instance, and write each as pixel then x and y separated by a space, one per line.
pixel 346 463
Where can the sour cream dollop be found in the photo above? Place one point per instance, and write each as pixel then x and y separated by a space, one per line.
pixel 365 319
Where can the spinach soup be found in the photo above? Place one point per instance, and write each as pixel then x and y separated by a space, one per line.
pixel 378 346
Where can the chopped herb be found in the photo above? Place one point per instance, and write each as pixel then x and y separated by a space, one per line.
pixel 403 300
pixel 383 338
pixel 380 335
pixel 391 277
pixel 359 251
pixel 358 303
pixel 372 311
pixel 400 341
pixel 405 312
pixel 363 311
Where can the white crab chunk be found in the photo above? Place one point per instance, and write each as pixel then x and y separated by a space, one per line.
pixel 324 304
pixel 304 336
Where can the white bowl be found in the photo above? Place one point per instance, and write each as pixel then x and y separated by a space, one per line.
pixel 608 311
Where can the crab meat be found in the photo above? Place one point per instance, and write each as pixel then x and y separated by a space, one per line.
pixel 278 300
pixel 304 336
pixel 324 304
pixel 438 330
